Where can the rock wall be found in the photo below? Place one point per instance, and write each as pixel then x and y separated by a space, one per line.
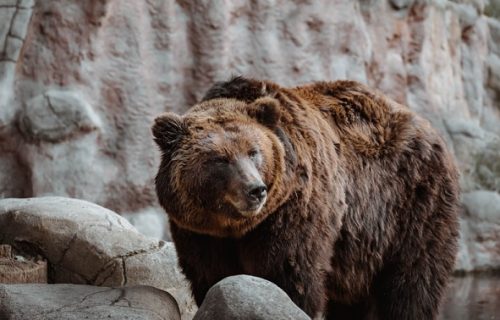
pixel 81 81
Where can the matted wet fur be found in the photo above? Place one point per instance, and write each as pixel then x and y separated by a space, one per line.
pixel 360 220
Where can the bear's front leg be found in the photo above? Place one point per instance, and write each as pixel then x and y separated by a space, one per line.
pixel 295 255
pixel 204 260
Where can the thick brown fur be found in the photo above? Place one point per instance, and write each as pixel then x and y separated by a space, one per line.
pixel 361 216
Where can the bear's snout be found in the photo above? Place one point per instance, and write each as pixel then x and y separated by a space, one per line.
pixel 246 190
pixel 249 198
pixel 257 193
pixel 256 196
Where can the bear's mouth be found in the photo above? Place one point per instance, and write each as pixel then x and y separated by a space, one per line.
pixel 253 209
pixel 248 207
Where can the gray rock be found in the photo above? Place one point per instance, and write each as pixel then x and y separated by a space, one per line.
pixel 151 222
pixel 12 48
pixel 8 109
pixel 87 244
pixel 6 16
pixel 248 298
pixel 68 301
pixel 483 205
pixel 25 3
pixel 57 115
pixel 480 230
pixel 8 3
pixel 20 24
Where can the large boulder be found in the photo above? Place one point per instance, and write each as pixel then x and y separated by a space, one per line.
pixel 88 244
pixel 248 298
pixel 75 302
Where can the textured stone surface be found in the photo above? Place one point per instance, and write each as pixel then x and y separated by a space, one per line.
pixel 151 222
pixel 87 244
pixel 127 61
pixel 56 116
pixel 480 228
pixel 248 298
pixel 69 301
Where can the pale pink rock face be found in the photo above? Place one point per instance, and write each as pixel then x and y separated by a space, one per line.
pixel 81 81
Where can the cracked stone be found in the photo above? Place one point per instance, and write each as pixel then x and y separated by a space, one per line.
pixel 6 16
pixel 88 244
pixel 57 115
pixel 26 3
pixel 73 302
pixel 138 265
pixel 21 23
pixel 12 48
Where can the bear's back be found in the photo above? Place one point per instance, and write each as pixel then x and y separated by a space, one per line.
pixel 368 123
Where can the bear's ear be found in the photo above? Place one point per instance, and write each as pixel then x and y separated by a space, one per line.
pixel 266 111
pixel 167 130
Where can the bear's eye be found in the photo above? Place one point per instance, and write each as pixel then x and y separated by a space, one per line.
pixel 220 160
pixel 253 153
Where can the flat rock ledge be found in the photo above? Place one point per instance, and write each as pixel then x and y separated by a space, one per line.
pixel 70 301
pixel 88 244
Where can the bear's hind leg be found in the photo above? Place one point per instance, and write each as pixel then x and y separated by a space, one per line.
pixel 413 289
pixel 359 311
pixel 414 278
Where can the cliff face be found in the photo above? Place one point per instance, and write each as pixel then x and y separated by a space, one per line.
pixel 81 81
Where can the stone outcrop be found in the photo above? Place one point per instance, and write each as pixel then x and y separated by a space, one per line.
pixel 248 298
pixel 81 81
pixel 87 244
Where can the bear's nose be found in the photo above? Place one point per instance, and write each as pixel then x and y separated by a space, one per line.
pixel 257 192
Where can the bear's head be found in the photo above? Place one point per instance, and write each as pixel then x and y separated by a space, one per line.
pixel 221 165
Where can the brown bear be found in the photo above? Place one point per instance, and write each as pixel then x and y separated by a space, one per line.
pixel 342 197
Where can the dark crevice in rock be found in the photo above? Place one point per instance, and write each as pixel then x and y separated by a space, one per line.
pixel 152 249
pixel 94 293
pixel 124 270
pixel 108 270
pixel 29 248
pixel 121 297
